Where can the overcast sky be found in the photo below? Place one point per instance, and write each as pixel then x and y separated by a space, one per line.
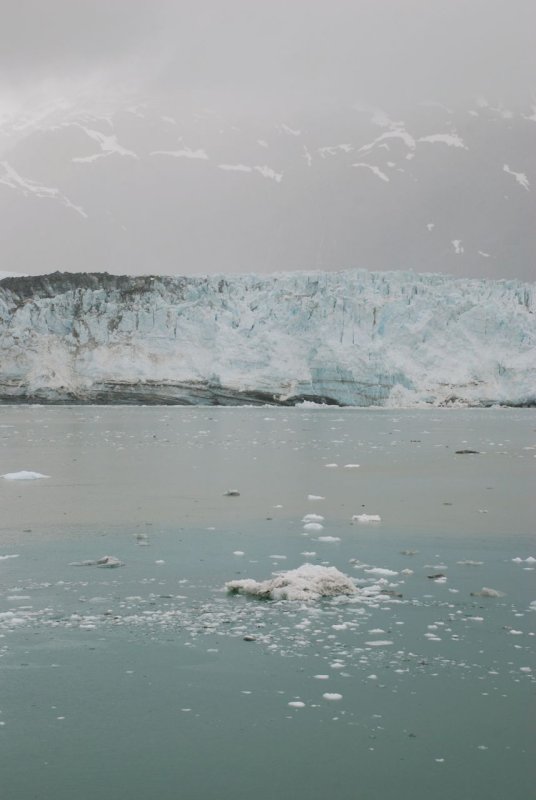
pixel 262 63
pixel 261 54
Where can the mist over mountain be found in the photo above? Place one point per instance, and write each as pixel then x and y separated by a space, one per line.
pixel 183 137
pixel 145 188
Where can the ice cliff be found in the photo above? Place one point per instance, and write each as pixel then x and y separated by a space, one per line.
pixel 353 338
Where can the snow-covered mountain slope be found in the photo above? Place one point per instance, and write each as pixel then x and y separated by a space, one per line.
pixel 356 338
pixel 145 187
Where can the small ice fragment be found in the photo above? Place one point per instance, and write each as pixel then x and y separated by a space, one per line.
pixel 23 475
pixel 326 677
pixel 296 704
pixel 363 518
pixel 110 561
pixel 332 696
pixel 352 466
pixel 470 563
pixel 231 493
pixel 238 553
pixel 315 497
pixel 381 571
pixel 379 643
pixel 372 677
pixel 331 466
pixel 3 558
pixel 486 592
pixel 328 539
pixel 105 561
pixel 308 553
pixel 278 558
pixel 313 518
pixel 160 561
pixel 313 526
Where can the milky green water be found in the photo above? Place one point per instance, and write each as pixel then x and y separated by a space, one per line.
pixel 137 682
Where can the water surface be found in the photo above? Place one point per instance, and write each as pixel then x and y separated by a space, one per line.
pixel 137 682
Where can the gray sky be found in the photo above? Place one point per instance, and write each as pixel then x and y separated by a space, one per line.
pixel 255 55
pixel 265 182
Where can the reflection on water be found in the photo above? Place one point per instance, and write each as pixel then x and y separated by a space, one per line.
pixel 148 680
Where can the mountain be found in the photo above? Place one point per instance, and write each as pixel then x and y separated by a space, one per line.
pixel 352 338
pixel 144 188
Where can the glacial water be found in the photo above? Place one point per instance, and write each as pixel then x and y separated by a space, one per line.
pixel 150 681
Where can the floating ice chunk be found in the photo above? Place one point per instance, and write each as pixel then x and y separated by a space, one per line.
pixel 23 475
pixel 105 561
pixel 470 563
pixel 308 553
pixel 231 493
pixel 326 677
pixel 530 560
pixel 328 539
pixel 308 582
pixel 331 466
pixel 313 526
pixel 381 571
pixel 278 558
pixel 372 677
pixel 296 704
pixel 315 497
pixel 313 518
pixel 379 643
pixel 238 553
pixel 364 518
pixel 4 558
pixel 352 466
pixel 486 592
pixel 332 696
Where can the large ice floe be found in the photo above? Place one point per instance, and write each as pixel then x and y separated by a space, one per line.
pixel 308 582
pixel 351 338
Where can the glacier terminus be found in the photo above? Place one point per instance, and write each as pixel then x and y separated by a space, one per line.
pixel 355 338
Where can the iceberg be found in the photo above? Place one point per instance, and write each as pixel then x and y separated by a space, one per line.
pixel 355 338
pixel 308 582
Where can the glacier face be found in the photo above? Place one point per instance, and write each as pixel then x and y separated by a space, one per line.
pixel 353 338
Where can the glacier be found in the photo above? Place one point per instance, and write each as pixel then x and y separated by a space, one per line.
pixel 355 338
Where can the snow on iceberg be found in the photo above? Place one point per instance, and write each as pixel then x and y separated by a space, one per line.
pixel 308 582
pixel 350 338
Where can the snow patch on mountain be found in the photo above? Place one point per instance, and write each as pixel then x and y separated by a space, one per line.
pixel 520 177
pixel 376 170
pixel 186 152
pixel 27 186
